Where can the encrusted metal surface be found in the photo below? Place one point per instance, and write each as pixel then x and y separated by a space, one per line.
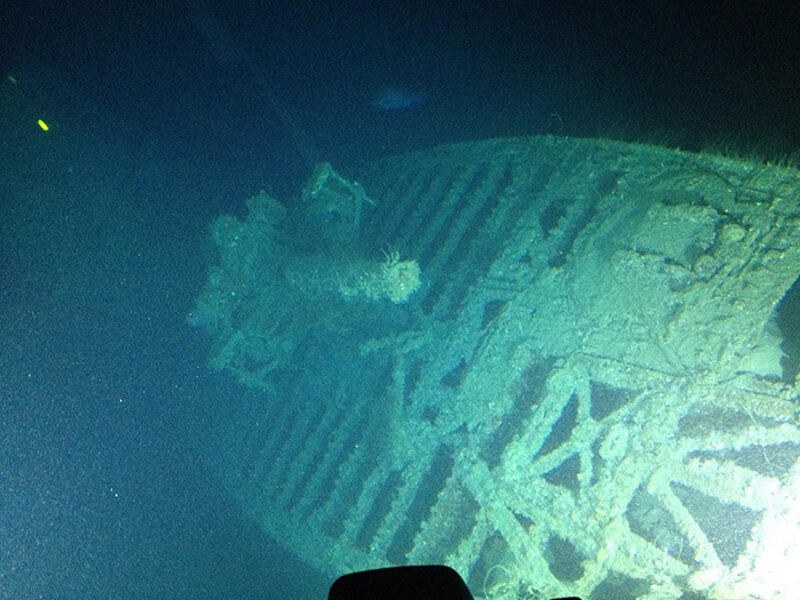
pixel 584 396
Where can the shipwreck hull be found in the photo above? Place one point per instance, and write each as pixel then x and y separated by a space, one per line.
pixel 585 395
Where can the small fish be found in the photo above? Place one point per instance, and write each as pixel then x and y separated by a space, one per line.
pixel 394 98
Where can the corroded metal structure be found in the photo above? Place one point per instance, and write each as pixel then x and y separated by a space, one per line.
pixel 585 395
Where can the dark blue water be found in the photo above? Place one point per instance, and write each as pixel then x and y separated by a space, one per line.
pixel 104 392
pixel 105 397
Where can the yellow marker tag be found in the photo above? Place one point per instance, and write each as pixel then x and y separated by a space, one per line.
pixel 43 125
